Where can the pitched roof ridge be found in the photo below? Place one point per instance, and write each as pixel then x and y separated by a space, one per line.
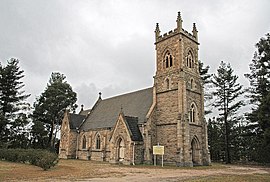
pixel 132 92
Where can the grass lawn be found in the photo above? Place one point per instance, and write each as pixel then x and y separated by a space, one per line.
pixel 71 170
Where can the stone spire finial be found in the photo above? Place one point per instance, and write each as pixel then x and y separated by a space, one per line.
pixel 179 22
pixel 157 32
pixel 82 107
pixel 99 95
pixel 195 31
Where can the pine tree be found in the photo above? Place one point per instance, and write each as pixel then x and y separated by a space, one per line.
pixel 227 92
pixel 13 108
pixel 259 93
pixel 215 135
pixel 49 108
pixel 206 80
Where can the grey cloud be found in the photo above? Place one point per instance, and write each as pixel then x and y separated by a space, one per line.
pixel 108 46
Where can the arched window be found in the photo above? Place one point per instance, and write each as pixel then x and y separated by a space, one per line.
pixel 192 114
pixel 171 63
pixel 191 84
pixel 84 142
pixel 168 60
pixel 98 141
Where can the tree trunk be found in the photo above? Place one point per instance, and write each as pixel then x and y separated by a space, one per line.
pixel 227 143
pixel 227 149
pixel 51 136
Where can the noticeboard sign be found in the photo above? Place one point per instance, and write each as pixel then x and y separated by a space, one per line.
pixel 158 150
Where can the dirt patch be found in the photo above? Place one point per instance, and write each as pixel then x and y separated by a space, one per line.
pixel 76 170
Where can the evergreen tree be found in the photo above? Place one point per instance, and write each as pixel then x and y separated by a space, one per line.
pixel 205 76
pixel 206 80
pixel 39 138
pixel 13 108
pixel 259 75
pixel 259 93
pixel 49 108
pixel 227 92
pixel 215 135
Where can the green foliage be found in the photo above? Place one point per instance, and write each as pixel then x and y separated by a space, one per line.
pixel 40 158
pixel 206 79
pixel 205 76
pixel 40 137
pixel 259 75
pixel 216 140
pixel 259 94
pixel 13 108
pixel 50 106
pixel 227 92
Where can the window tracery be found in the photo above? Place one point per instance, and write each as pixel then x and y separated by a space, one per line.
pixel 190 60
pixel 168 60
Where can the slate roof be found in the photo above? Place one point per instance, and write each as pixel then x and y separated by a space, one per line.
pixel 132 124
pixel 85 112
pixel 106 112
pixel 75 120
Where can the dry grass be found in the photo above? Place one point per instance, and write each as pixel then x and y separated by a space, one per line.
pixel 66 169
pixel 74 170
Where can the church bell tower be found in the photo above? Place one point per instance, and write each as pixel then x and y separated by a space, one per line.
pixel 180 125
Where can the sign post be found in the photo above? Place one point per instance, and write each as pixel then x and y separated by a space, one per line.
pixel 158 150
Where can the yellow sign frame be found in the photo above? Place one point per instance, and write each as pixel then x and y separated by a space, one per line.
pixel 158 150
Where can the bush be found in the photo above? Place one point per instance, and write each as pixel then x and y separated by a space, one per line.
pixel 40 158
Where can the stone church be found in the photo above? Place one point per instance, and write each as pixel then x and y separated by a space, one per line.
pixel 124 129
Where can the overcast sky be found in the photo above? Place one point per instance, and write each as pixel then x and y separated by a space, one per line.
pixel 108 46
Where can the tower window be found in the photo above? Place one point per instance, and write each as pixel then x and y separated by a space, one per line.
pixel 192 114
pixel 191 84
pixel 171 61
pixel 84 142
pixel 98 141
pixel 190 60
pixel 168 60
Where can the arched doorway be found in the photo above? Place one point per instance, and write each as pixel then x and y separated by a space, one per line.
pixel 195 151
pixel 121 150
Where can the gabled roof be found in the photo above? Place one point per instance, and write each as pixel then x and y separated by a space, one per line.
pixel 75 120
pixel 132 124
pixel 105 113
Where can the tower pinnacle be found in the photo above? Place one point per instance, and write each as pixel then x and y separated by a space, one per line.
pixel 179 22
pixel 157 32
pixel 195 31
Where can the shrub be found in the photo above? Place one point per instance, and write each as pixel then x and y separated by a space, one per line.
pixel 46 160
pixel 40 158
